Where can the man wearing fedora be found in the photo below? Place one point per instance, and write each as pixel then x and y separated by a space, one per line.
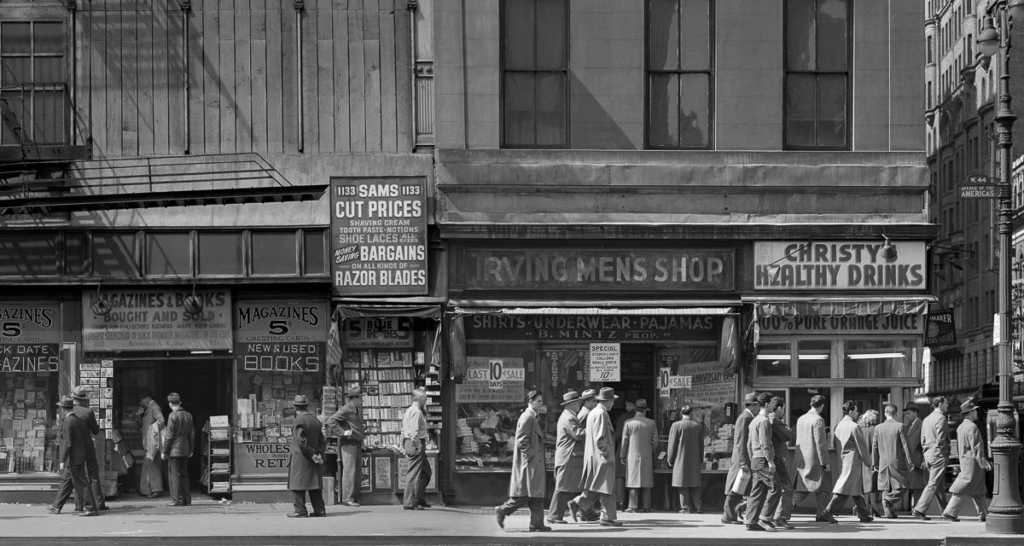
pixel 350 418
pixel 740 459
pixel 178 446
pixel 639 438
pixel 526 485
pixel 599 462
pixel 686 458
pixel 589 403
pixel 569 439
pixel 970 482
pixel 67 485
pixel 79 428
pixel 306 463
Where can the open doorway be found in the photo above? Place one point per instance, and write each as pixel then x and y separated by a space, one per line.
pixel 205 386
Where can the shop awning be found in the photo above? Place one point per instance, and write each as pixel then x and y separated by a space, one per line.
pixel 576 307
pixel 429 308
pixel 796 306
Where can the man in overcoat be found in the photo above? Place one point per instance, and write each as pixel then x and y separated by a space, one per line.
pixel 305 466
pixel 349 418
pixel 970 482
pixel 589 403
pixel 686 458
pixel 639 440
pixel 178 447
pixel 569 438
pixel 764 495
pixel 67 486
pixel 853 453
pixel 812 458
pixel 599 462
pixel 917 476
pixel 782 437
pixel 891 457
pixel 80 396
pixel 740 457
pixel 526 485
pixel 80 456
pixel 151 478
pixel 935 442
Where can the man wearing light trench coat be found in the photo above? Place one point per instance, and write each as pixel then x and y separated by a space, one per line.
pixel 526 486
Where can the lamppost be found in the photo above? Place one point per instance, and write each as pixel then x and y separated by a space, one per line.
pixel 1006 514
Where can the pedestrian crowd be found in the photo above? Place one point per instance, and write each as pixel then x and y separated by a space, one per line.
pixel 881 458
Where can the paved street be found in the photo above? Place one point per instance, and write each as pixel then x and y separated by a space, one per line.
pixel 137 522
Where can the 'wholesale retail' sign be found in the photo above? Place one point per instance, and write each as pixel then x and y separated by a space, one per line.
pixel 839 265
pixel 379 236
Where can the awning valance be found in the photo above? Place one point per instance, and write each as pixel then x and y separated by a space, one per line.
pixel 356 310
pixel 917 305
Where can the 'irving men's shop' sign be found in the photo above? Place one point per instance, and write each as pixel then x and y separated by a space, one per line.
pixel 839 265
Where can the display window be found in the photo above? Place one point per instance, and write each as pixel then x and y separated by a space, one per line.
pixel 28 423
pixel 880 358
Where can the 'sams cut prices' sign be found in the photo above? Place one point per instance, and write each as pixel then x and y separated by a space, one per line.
pixel 379 236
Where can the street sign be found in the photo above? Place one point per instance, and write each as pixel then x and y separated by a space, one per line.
pixel 979 186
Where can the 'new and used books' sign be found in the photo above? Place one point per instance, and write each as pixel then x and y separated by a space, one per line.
pixel 379 236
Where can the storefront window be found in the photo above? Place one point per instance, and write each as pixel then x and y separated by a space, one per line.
pixel 774 360
pixel 28 426
pixel 800 401
pixel 881 358
pixel 813 358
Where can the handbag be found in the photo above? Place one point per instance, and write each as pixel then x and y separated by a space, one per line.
pixel 742 481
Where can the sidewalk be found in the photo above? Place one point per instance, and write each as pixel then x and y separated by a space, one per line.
pixel 150 522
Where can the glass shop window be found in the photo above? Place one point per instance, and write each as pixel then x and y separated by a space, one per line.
pixel 881 358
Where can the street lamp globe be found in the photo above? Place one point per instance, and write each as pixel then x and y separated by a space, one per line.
pixel 988 38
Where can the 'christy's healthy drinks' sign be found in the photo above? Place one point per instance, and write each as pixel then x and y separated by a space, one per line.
pixel 379 236
pixel 839 265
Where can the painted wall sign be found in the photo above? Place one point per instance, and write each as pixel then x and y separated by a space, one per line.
pixel 599 269
pixel 30 337
pixel 373 333
pixel 281 336
pixel 615 328
pixel 492 380
pixel 841 324
pixel 156 320
pixel 839 265
pixel 262 457
pixel 605 362
pixel 379 236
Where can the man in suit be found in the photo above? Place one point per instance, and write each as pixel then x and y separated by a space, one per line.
pixel 740 458
pixel 569 437
pixel 177 449
pixel 853 453
pixel 80 456
pixel 782 437
pixel 350 445
pixel 67 487
pixel 917 476
pixel 526 485
pixel 891 457
pixel 414 442
pixel 589 403
pixel 305 465
pixel 686 458
pixel 812 458
pixel 970 482
pixel 599 463
pixel 764 495
pixel 935 442
pixel 639 439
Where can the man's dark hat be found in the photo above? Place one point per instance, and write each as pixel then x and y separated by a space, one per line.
pixel 300 401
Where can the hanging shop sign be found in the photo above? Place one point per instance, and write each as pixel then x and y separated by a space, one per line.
pixel 605 362
pixel 375 333
pixel 840 265
pixel 156 320
pixel 379 236
pixel 598 269
pixel 492 380
pixel 941 329
pixel 611 328
pixel 841 324
pixel 30 337
pixel 281 336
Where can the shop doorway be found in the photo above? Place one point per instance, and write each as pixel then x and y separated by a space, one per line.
pixel 205 388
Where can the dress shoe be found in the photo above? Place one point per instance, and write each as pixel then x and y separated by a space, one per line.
pixel 53 509
pixel 783 524
pixel 920 516
pixel 353 504
pixel 728 521
pixel 574 509
pixel 423 504
pixel 866 519
pixel 412 508
pixel 499 514
pixel 610 523
pixel 89 514
pixel 298 515
pixel 754 527
pixel 104 508
pixel 826 518
pixel 630 510
pixel 950 517
pixel 541 529
pixel 318 515
pixel 173 503
pixel 982 518
pixel 556 520
pixel 766 525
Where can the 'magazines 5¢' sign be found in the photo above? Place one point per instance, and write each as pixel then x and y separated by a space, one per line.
pixel 839 265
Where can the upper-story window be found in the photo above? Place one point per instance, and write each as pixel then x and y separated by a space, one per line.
pixel 33 84
pixel 679 65
pixel 535 74
pixel 817 97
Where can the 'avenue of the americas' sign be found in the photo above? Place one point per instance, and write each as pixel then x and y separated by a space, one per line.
pixel 839 265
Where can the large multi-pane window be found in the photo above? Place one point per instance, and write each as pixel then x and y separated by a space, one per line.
pixel 679 64
pixel 535 74
pixel 817 74
pixel 33 86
